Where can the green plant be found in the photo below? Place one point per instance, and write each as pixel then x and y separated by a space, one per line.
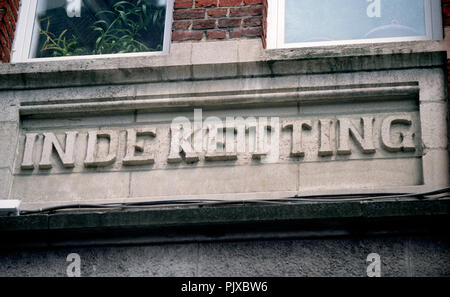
pixel 129 27
pixel 58 45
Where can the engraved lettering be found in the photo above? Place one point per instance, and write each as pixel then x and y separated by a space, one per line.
pixel 132 146
pixel 66 156
pixel 325 138
pixel 92 159
pixel 216 144
pixel 348 128
pixel 258 138
pixel 181 134
pixel 405 140
pixel 27 162
pixel 297 128
pixel 216 140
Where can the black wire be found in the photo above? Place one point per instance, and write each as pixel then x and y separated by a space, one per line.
pixel 212 202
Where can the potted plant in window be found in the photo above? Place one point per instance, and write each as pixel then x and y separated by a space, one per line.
pixel 126 27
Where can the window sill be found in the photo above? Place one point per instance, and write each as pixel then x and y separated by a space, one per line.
pixel 236 57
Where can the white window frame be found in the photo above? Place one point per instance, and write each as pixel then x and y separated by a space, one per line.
pixel 276 28
pixel 26 24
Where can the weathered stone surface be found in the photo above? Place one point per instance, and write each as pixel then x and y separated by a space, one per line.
pixel 9 132
pixel 161 260
pixel 400 256
pixel 226 180
pixel 79 188
pixel 429 256
pixel 387 141
pixel 79 120
pixel 9 111
pixel 329 257
pixel 5 182
pixel 434 118
pixel 329 88
pixel 358 175
pixel 434 174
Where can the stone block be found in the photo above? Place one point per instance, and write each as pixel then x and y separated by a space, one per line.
pixel 429 256
pixel 78 188
pixel 206 181
pixel 5 182
pixel 8 141
pixel 8 107
pixel 358 175
pixel 435 168
pixel 301 258
pixel 145 261
pixel 433 118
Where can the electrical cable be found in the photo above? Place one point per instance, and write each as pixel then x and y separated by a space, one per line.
pixel 361 197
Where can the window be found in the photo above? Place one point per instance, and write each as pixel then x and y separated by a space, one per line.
pixel 301 23
pixel 64 28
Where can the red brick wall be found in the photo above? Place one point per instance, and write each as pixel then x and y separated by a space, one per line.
pixel 446 22
pixel 8 18
pixel 216 19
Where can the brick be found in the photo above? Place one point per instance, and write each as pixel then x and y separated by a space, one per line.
pixel 4 36
pixel 252 21
pixel 447 21
pixel 183 14
pixel 205 3
pixel 246 32
pixel 14 12
pixel 217 12
pixel 181 25
pixel 8 26
pixel 188 35
pixel 183 4
pixel 446 10
pixel 204 24
pixel 216 34
pixel 227 23
pixel 252 2
pixel 230 2
pixel 246 11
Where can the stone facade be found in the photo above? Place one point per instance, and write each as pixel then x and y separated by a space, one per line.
pixel 221 119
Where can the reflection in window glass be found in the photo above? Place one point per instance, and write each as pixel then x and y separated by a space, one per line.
pixel 95 27
pixel 329 20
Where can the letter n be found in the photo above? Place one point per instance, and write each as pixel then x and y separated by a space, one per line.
pixel 365 141
pixel 65 155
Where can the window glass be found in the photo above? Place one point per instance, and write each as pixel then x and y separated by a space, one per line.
pixel 95 27
pixel 331 20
